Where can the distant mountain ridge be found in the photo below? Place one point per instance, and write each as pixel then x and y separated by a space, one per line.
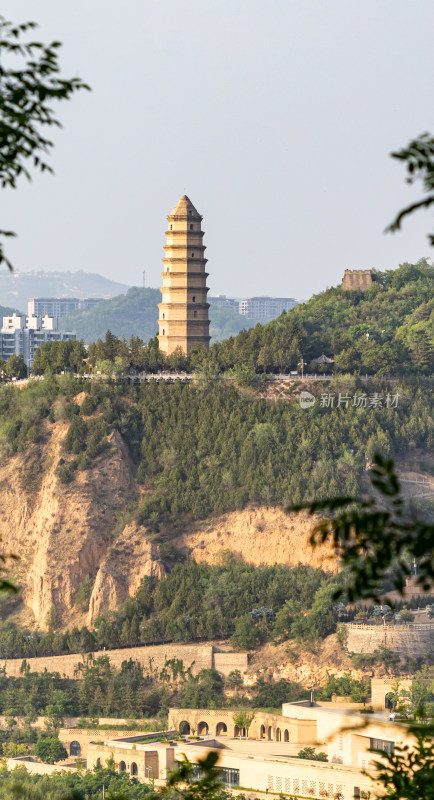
pixel 17 287
pixel 6 311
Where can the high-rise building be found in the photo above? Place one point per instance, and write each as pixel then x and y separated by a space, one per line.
pixel 183 313
pixel 21 334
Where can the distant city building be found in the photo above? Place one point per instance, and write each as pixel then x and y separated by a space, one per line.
pixel 89 302
pixel 58 306
pixel 221 301
pixel 21 334
pixel 360 279
pixel 265 307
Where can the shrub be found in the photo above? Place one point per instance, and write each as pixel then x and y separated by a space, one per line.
pixel 65 475
pixel 246 635
pixel 310 753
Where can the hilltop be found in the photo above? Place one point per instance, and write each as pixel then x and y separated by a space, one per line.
pixel 109 486
pixel 388 328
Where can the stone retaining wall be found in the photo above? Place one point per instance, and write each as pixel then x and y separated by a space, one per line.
pixel 196 656
pixel 407 640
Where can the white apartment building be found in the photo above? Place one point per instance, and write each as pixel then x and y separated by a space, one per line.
pixel 58 306
pixel 265 307
pixel 24 334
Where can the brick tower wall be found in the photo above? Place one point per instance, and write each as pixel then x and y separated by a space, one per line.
pixel 360 279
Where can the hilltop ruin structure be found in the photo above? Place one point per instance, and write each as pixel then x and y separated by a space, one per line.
pixel 360 279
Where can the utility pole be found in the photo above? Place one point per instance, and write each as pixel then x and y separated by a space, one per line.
pixel 143 278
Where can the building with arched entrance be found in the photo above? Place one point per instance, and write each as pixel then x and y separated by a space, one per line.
pixel 382 688
pixel 271 727
pixel 270 760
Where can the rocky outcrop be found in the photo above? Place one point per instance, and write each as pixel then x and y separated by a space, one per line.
pixel 61 533
pixel 130 558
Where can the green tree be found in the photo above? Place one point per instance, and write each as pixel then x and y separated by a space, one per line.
pixel 234 681
pixel 56 710
pixel 422 690
pixel 310 753
pixel 408 771
pixel 418 157
pixel 28 88
pixel 50 749
pixel 15 365
pixel 370 536
pixel 246 635
pixel 243 721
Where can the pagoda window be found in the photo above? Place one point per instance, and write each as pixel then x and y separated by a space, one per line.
pixel 194 298
pixel 191 227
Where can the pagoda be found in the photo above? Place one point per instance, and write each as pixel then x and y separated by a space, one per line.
pixel 183 313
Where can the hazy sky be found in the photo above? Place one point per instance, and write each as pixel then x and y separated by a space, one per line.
pixel 276 117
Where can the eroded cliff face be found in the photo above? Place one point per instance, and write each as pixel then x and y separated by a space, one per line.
pixel 260 535
pixel 62 533
pixel 126 562
pixel 66 533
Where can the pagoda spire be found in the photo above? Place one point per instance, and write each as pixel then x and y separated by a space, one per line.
pixel 183 312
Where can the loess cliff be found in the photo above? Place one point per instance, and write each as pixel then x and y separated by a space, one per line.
pixel 65 534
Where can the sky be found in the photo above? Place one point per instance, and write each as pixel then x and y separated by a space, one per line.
pixel 276 118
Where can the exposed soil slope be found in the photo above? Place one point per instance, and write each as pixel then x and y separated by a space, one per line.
pixel 260 536
pixel 60 532
pixel 65 533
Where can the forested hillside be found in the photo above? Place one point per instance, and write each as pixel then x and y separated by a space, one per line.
pixel 388 328
pixel 110 469
pixel 116 474
pixel 133 313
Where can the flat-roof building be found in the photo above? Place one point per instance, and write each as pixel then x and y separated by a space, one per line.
pixel 24 334
pixel 267 760
pixel 265 307
pixel 59 306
